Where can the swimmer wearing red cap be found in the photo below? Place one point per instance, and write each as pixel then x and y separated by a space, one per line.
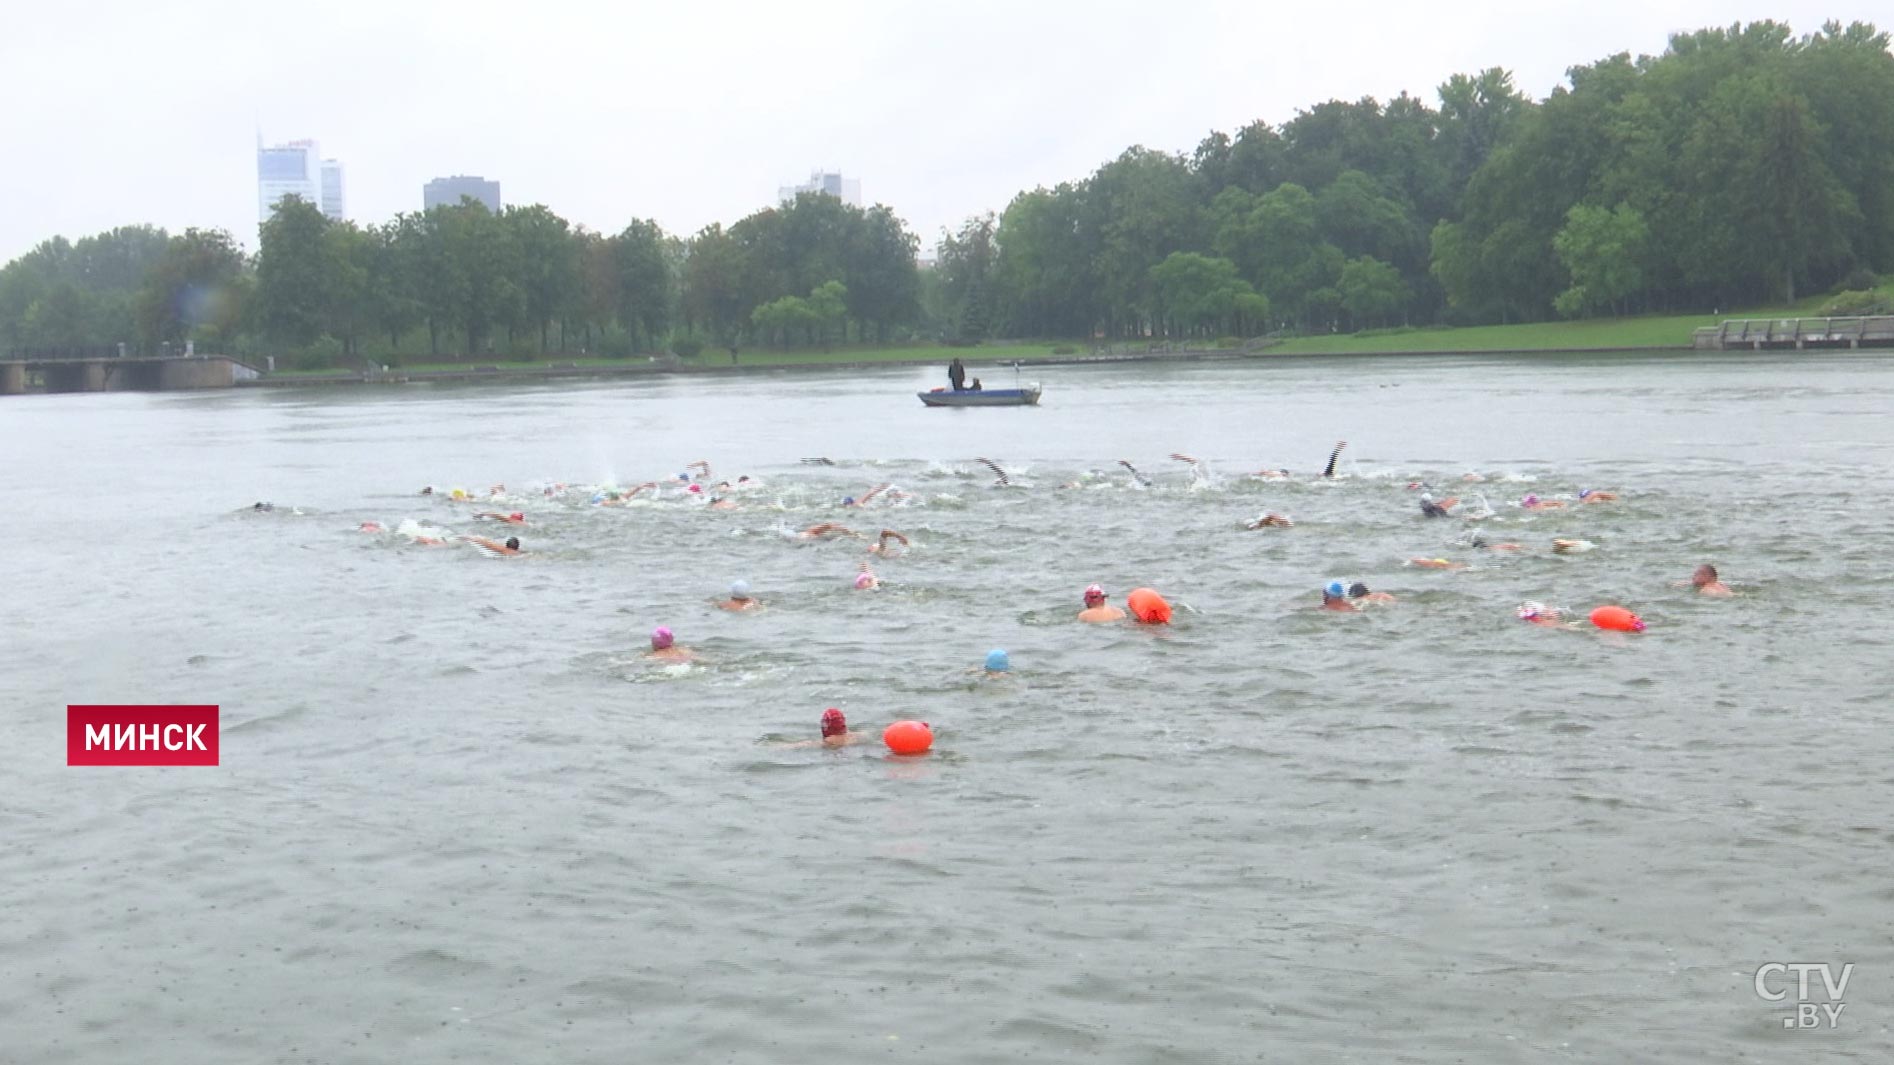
pixel 1096 609
pixel 835 732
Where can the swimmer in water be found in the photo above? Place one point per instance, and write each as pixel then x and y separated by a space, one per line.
pixel 428 491
pixel 1543 616
pixel 1533 502
pixel 1442 509
pixel 262 506
pixel 1335 597
pixel 515 518
pixel 1271 521
pixel 1572 547
pixel 1705 581
pixel 997 664
pixel 866 581
pixel 1435 563
pixel 880 546
pixel 1272 475
pixel 1143 481
pixel 720 503
pixel 1479 542
pixel 511 547
pixel 371 527
pixel 702 468
pixel 1593 495
pixel 825 530
pixel 1359 592
pixel 1198 475
pixel 664 647
pixel 1329 470
pixel 835 733
pixel 740 598
pixel 1097 609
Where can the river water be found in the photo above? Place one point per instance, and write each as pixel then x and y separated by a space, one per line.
pixel 460 818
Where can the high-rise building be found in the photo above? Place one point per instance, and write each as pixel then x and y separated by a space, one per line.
pixel 297 169
pixel 447 191
pixel 286 170
pixel 848 190
pixel 332 204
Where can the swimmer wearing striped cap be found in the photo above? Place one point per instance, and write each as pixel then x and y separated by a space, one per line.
pixel 1097 609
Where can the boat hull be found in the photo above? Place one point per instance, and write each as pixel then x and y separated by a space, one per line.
pixel 987 397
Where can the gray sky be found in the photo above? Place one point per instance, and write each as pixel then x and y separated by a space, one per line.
pixel 120 112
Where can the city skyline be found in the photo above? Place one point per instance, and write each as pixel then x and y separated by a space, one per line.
pixel 947 118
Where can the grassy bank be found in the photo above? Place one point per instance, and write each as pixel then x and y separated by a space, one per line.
pixel 1648 331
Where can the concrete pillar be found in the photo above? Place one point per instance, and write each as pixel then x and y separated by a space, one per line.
pixel 12 378
pixel 175 374
pixel 93 379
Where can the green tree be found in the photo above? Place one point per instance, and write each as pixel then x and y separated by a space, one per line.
pixel 1371 291
pixel 195 291
pixel 295 277
pixel 548 258
pixel 1603 251
pixel 644 283
pixel 828 304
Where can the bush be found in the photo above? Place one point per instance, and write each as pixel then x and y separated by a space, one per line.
pixel 1859 303
pixel 325 353
pixel 687 347
pixel 1859 279
pixel 1064 349
pixel 1229 342
pixel 615 343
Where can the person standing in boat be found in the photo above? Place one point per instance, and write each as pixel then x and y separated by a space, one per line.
pixel 956 374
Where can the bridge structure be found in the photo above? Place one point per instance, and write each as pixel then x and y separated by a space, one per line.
pixel 1760 334
pixel 127 374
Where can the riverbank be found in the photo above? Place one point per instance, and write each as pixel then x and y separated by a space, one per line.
pixel 1664 333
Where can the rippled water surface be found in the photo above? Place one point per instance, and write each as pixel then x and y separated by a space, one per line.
pixel 460 818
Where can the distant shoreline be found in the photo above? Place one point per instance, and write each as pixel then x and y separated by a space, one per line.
pixel 556 371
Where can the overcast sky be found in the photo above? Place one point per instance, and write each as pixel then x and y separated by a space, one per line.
pixel 693 112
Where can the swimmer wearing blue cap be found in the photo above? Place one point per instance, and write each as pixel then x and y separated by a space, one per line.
pixel 997 664
pixel 740 598
pixel 1335 597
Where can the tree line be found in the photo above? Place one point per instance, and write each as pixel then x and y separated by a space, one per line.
pixel 1743 165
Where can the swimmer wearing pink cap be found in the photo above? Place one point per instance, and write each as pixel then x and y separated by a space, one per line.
pixel 664 647
pixel 1096 609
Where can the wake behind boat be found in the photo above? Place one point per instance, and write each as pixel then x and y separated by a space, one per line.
pixel 982 397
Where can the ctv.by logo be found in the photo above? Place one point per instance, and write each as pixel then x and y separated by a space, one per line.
pixel 1808 1013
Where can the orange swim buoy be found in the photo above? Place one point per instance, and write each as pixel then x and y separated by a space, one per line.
pixel 908 737
pixel 1617 619
pixel 1149 607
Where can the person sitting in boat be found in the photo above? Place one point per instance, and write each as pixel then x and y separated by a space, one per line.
pixel 975 386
